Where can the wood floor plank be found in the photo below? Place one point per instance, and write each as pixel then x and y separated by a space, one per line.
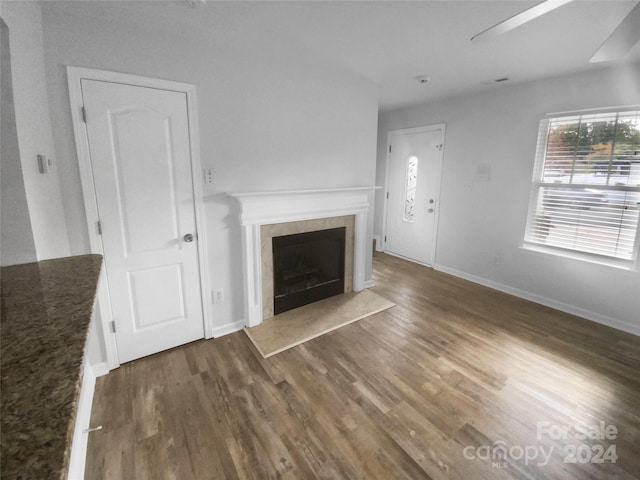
pixel 432 388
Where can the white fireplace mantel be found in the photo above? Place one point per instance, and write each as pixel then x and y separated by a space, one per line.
pixel 265 208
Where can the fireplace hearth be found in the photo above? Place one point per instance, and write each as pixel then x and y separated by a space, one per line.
pixel 307 267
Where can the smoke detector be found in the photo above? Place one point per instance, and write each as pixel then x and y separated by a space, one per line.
pixel 423 79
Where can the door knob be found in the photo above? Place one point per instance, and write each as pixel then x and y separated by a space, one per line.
pixel 188 237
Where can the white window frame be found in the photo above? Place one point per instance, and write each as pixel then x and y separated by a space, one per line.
pixel 538 182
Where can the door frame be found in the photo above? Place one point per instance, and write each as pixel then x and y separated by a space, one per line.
pixel 74 77
pixel 403 131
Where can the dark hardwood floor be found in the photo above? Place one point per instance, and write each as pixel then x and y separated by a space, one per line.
pixel 457 381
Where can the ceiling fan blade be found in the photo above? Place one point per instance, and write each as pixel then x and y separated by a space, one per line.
pixel 621 40
pixel 519 19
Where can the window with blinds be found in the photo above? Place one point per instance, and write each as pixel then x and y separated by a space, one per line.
pixel 585 195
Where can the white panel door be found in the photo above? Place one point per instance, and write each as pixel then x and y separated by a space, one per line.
pixel 413 169
pixel 141 160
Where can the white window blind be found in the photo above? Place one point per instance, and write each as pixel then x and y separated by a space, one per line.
pixel 585 194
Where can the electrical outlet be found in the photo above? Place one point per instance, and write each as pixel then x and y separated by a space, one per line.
pixel 217 296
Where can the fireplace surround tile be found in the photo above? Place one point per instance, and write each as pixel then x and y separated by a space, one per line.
pixel 268 232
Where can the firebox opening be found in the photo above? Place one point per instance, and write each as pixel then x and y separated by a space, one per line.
pixel 307 267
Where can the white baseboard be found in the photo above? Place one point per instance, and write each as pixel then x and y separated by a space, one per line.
pixel 100 369
pixel 78 457
pixel 411 260
pixel 228 328
pixel 549 302
pixel 369 283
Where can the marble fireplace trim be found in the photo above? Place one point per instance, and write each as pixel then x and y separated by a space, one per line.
pixel 268 208
pixel 268 232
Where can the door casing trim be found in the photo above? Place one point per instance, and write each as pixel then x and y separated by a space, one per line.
pixel 403 131
pixel 74 77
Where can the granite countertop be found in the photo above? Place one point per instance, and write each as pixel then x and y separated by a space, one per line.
pixel 46 309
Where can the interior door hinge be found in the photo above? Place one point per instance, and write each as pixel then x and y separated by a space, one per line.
pixel 99 228
pixel 387 195
pixel 113 326
pixel 385 238
pixel 389 148
pixel 84 114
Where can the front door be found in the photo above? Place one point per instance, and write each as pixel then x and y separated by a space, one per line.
pixel 140 153
pixel 414 157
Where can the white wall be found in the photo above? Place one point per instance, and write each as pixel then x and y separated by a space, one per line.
pixel 479 220
pixel 43 194
pixel 16 236
pixel 267 121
